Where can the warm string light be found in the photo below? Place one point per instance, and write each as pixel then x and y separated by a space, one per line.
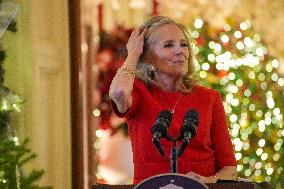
pixel 10 102
pixel 250 119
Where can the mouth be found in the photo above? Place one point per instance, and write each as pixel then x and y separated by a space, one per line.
pixel 178 62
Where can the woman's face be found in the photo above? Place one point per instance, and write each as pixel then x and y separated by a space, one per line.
pixel 169 50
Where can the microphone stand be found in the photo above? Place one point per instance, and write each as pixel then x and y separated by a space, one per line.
pixel 174 156
pixel 174 153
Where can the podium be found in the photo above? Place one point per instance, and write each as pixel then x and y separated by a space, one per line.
pixel 226 185
pixel 174 180
pixel 180 181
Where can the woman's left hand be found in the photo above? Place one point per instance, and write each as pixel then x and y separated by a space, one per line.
pixel 210 179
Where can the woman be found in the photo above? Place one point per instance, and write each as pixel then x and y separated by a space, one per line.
pixel 158 74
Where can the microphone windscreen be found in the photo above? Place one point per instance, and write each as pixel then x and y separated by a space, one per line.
pixel 193 114
pixel 165 114
pixel 190 122
pixel 162 123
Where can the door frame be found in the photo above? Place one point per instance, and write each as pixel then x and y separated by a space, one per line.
pixel 76 105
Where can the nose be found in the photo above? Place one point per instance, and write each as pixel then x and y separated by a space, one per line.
pixel 180 50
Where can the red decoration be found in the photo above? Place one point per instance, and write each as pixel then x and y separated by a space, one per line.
pixel 100 16
pixel 222 73
pixel 155 8
pixel 101 181
pixel 255 97
pixel 110 56
pixel 200 41
pixel 243 88
pixel 227 46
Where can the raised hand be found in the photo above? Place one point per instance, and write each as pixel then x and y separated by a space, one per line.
pixel 135 43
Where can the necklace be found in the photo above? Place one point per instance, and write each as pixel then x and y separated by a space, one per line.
pixel 166 105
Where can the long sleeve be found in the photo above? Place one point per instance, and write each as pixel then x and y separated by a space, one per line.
pixel 223 148
pixel 137 87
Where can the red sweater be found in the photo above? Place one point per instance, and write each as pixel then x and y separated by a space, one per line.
pixel 207 152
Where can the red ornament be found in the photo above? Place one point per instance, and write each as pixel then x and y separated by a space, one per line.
pixel 101 181
pixel 200 41
pixel 227 46
pixel 222 73
pixel 255 97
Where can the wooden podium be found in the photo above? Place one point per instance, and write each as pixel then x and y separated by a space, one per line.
pixel 232 185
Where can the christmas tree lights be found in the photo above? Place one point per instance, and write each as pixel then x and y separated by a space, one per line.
pixel 236 62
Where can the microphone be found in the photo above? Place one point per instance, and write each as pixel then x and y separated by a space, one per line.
pixel 188 129
pixel 160 127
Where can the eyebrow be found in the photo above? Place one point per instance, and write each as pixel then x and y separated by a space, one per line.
pixel 171 41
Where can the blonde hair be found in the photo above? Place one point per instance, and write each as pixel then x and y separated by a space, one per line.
pixel 144 70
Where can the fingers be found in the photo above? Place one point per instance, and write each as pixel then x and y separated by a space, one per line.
pixel 136 42
pixel 203 179
pixel 138 34
pixel 143 33
pixel 194 175
pixel 132 33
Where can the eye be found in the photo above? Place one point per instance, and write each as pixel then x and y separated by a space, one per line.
pixel 168 45
pixel 184 45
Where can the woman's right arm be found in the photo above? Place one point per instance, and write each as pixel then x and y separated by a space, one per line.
pixel 122 83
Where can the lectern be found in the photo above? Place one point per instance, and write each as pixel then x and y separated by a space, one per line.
pixel 237 185
pixel 175 181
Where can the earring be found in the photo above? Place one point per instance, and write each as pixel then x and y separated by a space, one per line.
pixel 152 67
pixel 150 70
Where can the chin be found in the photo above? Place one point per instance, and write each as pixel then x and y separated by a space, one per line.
pixel 178 74
pixel 181 72
pixel 175 70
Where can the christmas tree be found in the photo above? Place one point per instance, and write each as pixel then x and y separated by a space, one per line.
pixel 235 61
